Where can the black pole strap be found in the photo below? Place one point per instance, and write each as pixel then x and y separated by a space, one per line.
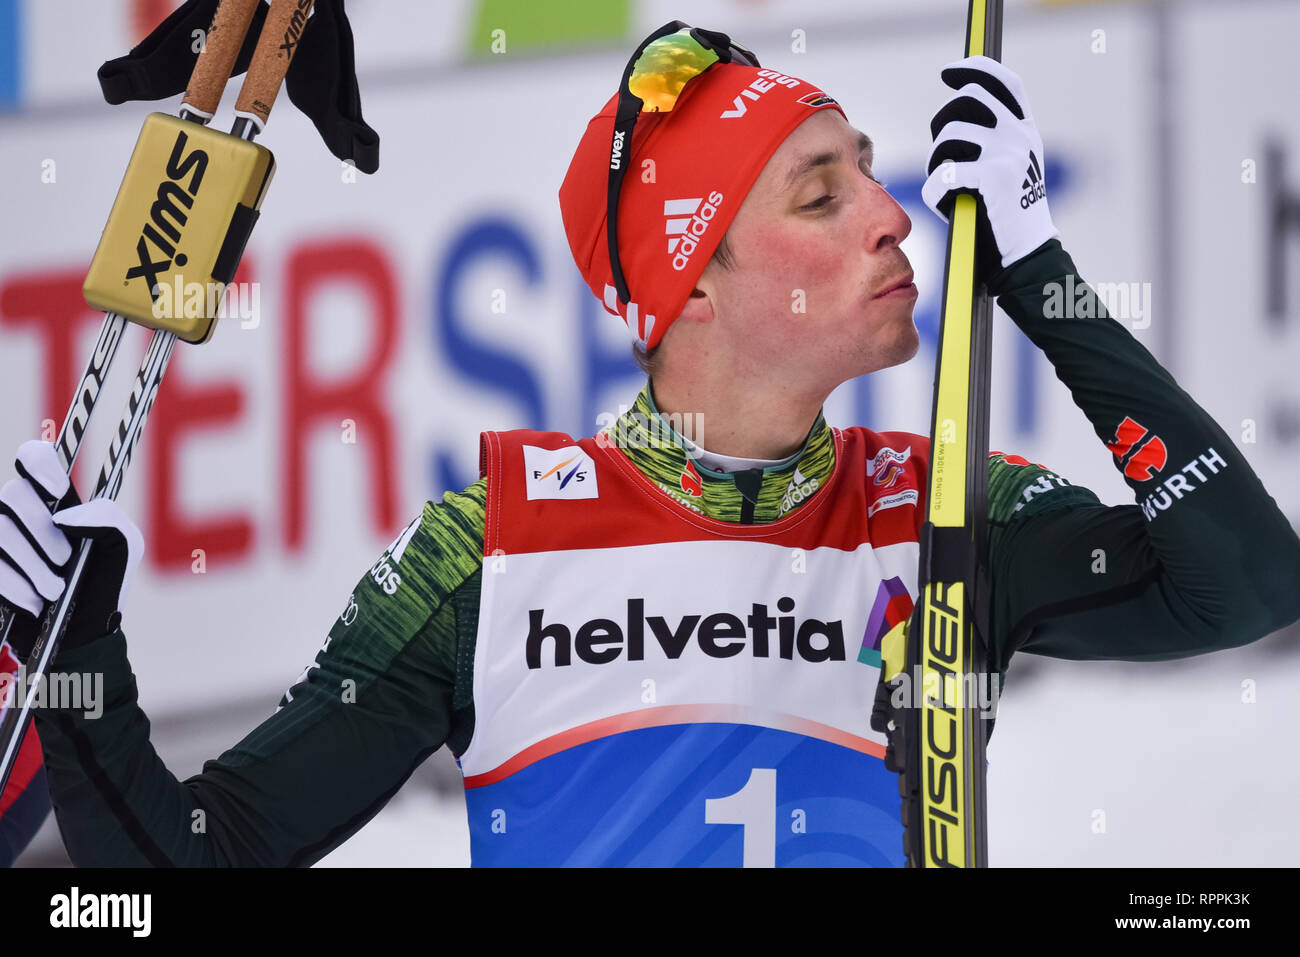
pixel 322 82
pixel 159 66
pixel 322 79
pixel 948 555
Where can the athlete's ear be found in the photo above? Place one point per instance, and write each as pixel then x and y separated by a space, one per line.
pixel 698 308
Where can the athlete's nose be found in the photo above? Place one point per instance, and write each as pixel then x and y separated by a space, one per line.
pixel 888 222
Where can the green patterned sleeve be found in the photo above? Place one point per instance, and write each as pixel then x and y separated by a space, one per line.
pixel 380 697
pixel 1019 488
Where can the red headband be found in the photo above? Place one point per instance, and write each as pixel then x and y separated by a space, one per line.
pixel 689 171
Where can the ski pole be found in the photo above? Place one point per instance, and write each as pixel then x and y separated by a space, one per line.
pixel 271 58
pixel 211 71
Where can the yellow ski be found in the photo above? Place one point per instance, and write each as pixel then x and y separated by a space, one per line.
pixel 942 777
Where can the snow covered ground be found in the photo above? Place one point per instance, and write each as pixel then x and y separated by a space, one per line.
pixel 1120 764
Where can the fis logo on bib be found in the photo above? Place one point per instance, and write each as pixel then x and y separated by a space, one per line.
pixel 559 473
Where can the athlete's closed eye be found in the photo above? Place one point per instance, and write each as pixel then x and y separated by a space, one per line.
pixel 820 202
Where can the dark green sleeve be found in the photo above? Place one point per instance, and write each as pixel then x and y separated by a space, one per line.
pixel 1203 560
pixel 380 697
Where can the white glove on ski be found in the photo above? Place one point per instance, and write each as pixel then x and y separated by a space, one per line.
pixel 37 547
pixel 985 140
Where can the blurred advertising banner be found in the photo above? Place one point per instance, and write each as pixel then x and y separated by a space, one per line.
pixel 379 323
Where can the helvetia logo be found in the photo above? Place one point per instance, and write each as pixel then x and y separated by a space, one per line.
pixel 687 222
pixel 1034 186
pixel 162 234
pixel 558 473
pixel 720 635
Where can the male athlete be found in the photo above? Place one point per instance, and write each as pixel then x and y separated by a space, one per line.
pixel 653 648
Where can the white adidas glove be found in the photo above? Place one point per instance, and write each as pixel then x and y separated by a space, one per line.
pixel 985 140
pixel 37 548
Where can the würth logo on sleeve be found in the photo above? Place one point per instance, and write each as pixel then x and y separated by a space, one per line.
pixel 1187 479
pixel 1146 455
pixel 686 222
pixel 558 473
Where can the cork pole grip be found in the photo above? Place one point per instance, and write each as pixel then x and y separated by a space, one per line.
pixel 285 22
pixel 220 49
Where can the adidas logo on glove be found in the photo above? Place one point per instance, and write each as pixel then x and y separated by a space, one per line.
pixel 1034 186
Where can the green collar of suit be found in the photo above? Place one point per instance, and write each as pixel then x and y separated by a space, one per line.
pixel 655 445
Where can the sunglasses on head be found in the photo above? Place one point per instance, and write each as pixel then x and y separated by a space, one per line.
pixel 652 82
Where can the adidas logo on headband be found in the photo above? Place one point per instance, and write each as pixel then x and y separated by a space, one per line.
pixel 687 222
